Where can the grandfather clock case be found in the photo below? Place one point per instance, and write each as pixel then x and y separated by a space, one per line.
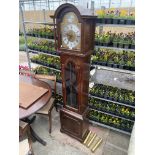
pixel 74 37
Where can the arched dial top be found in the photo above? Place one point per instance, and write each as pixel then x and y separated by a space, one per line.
pixel 70 32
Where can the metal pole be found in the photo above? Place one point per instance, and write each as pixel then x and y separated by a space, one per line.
pixel 130 7
pixel 109 3
pixel 44 15
pixel 92 6
pixel 25 37
pixel 48 4
pixel 34 5
pixel 120 3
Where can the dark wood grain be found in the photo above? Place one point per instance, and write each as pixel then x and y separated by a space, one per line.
pixel 73 121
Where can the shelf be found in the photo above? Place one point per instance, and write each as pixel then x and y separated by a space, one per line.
pixel 36 52
pixel 112 114
pixel 115 25
pixel 47 67
pixel 114 48
pixel 40 38
pixel 45 23
pixel 115 69
pixel 127 105
pixel 109 127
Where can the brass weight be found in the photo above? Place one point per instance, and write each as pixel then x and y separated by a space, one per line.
pixel 96 145
pixel 91 140
pixel 85 141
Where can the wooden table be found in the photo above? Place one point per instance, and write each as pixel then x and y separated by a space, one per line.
pixel 24 113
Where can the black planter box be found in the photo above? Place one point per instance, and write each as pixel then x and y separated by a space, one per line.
pixel 46 51
pixel 121 101
pixel 115 21
pixel 115 65
pixel 120 45
pixel 94 62
pixel 121 66
pixel 128 22
pixel 110 98
pixel 110 64
pixel 108 20
pixel 115 44
pixel 103 63
pixel 122 21
pixel 96 43
pixel 132 46
pixel 133 22
pixel 99 63
pixel 110 44
pixel 94 119
pixel 115 99
pixel 48 65
pixel 127 102
pixel 100 20
pixel 105 44
pixel 127 46
pixel 126 67
pixel 33 61
pixel 49 52
pixel 54 52
pixel 132 68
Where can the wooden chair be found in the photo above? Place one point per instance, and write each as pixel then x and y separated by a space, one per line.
pixel 47 109
pixel 25 143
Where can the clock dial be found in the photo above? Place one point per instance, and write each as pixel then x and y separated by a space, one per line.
pixel 70 32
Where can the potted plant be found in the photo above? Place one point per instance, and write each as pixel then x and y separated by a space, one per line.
pixel 34 59
pixel 116 61
pixel 133 44
pixel 109 17
pixel 115 40
pixel 130 19
pixel 110 62
pixel 101 15
pixel 45 49
pixel 131 97
pixel 116 17
pixel 97 39
pixel 127 41
pixel 123 14
pixel 121 40
pixel 94 59
pixel 121 63
pixel 116 94
pixel 116 20
pixel 106 39
pixel 121 97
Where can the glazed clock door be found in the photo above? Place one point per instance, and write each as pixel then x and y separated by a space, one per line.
pixel 71 86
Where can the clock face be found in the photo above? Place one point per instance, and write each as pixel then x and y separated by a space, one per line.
pixel 70 32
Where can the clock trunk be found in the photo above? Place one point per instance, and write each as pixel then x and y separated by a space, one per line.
pixel 75 77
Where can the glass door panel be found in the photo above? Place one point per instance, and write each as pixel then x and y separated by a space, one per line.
pixel 71 86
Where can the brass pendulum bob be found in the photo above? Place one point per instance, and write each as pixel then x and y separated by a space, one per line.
pixel 91 140
pixel 96 145
pixel 85 141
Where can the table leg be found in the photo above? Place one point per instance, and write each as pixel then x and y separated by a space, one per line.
pixel 33 133
pixel 35 136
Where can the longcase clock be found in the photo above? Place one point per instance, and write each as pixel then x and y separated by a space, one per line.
pixel 74 37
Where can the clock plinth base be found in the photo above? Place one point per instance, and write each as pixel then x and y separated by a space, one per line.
pixel 73 124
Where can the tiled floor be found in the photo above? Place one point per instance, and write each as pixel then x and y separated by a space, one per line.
pixel 114 143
